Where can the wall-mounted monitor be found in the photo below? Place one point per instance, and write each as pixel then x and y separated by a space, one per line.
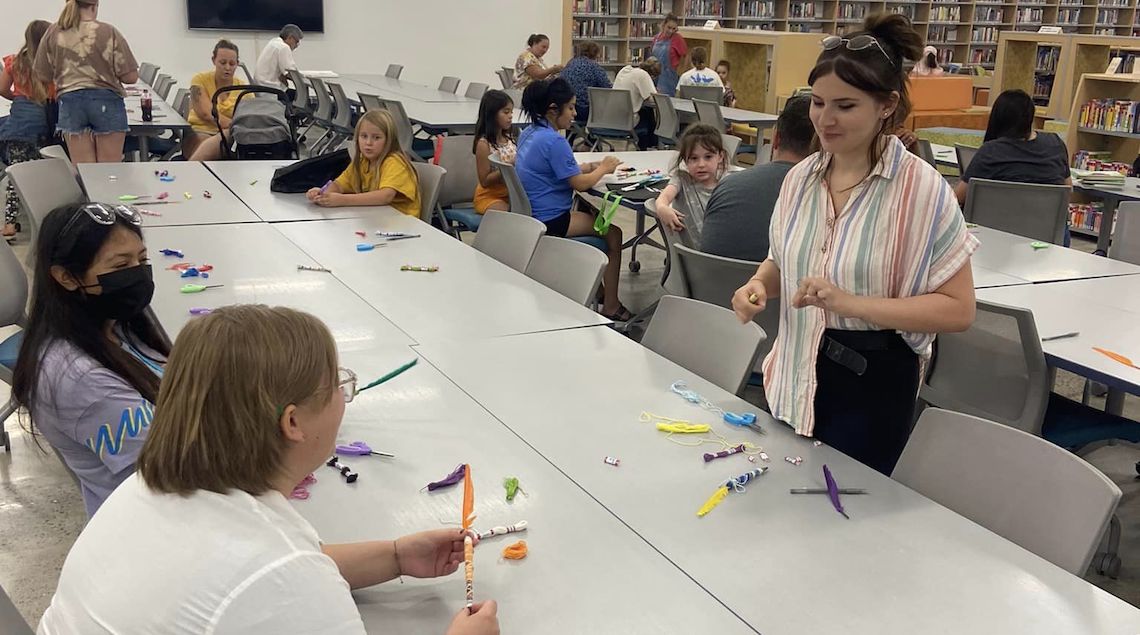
pixel 256 15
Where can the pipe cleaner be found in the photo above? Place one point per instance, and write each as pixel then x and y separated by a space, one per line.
pixel 512 485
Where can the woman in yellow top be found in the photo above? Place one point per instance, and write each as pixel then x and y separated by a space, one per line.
pixel 379 175
pixel 204 143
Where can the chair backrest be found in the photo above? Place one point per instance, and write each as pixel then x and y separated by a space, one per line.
pixel 43 186
pixel 571 268
pixel 57 152
pixel 324 111
pixel 1011 387
pixel 430 180
pixel 403 124
pixel 1126 233
pixel 394 71
pixel 764 154
pixel 370 102
pixel 181 102
pixel 1017 485
pixel 162 85
pixel 11 622
pixel 519 201
pixel 449 84
pixel 610 108
pixel 147 72
pixel 1039 212
pixel 705 339
pixel 14 281
pixel 926 152
pixel 475 90
pixel 456 157
pixel 714 279
pixel 965 155
pixel 731 144
pixel 709 112
pixel 509 238
pixel 301 99
pixel 506 77
pixel 705 93
pixel 245 70
pixel 668 123
pixel 343 116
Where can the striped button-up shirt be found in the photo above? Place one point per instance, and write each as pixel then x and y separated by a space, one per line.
pixel 901 234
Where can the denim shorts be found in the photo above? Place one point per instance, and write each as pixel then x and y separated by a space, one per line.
pixel 98 110
pixel 27 122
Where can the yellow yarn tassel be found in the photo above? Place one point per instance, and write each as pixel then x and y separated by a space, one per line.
pixel 684 428
pixel 516 551
pixel 714 500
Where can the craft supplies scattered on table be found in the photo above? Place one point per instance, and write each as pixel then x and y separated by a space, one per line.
pixel 794 460
pixel 369 246
pixel 360 448
pixel 199 288
pixel 724 453
pixel 503 530
pixel 511 484
pixel 449 480
pixel 392 375
pixel 345 471
pixel 468 542
pixel 736 484
pixel 419 268
pixel 517 551
pixel 609 460
pixel 1062 336
pixel 301 490
pixel 317 269
pixel 199 312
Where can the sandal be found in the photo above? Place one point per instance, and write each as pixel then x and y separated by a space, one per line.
pixel 621 315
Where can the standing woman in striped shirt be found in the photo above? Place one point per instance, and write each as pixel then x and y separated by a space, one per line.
pixel 870 253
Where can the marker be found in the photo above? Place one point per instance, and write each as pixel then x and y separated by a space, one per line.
pixel 198 288
pixel 403 237
pixel 1062 336
pixel 326 186
pixel 368 246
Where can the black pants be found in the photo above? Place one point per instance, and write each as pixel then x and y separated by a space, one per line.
pixel 868 417
pixel 646 124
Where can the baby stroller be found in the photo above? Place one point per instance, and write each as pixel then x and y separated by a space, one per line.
pixel 262 127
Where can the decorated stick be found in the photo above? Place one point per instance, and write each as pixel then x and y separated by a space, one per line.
pixel 737 484
pixel 390 376
pixel 833 491
pixel 449 480
pixel 724 453
pixel 468 542
pixel 502 531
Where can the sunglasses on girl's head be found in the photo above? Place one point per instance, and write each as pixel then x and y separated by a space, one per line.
pixel 857 43
pixel 101 213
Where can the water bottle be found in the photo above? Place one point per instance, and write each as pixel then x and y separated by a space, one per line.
pixel 147 106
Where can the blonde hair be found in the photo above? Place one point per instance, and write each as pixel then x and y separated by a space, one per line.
pixel 384 122
pixel 69 18
pixel 229 378
pixel 22 63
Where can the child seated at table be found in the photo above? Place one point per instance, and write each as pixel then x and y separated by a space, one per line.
pixel 701 163
pixel 380 173
pixel 493 136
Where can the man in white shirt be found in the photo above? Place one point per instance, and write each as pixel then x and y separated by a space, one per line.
pixel 641 82
pixel 276 59
pixel 700 74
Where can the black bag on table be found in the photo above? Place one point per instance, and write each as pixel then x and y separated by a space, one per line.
pixel 308 173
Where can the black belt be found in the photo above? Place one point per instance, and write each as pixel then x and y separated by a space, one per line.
pixel 846 347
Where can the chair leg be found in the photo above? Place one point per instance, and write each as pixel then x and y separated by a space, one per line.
pixel 5 412
pixel 1107 562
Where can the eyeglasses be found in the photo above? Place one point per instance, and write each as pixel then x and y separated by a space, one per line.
pixel 857 43
pixel 101 213
pixel 346 382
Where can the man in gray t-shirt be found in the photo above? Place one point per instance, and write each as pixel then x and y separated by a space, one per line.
pixel 740 209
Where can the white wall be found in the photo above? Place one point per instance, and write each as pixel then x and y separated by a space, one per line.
pixel 469 39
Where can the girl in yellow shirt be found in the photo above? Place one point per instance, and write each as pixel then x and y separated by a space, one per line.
pixel 379 175
pixel 204 142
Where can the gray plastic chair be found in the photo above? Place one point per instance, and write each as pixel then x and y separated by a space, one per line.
pixel 456 197
pixel 714 279
pixel 147 72
pixel 370 102
pixel 404 129
pixel 57 152
pixel 705 339
pixel 506 77
pixel 430 181
pixel 181 102
pixel 611 116
pixel 245 70
pixel 394 71
pixel 475 90
pixel 965 156
pixel 509 238
pixel 926 152
pixel 1126 233
pixel 342 121
pixel 571 268
pixel 13 303
pixel 709 112
pixel 705 93
pixel 520 202
pixel 11 622
pixel 1011 387
pixel 322 116
pixel 162 86
pixel 301 104
pixel 449 84
pixel 1017 485
pixel 731 145
pixel 668 123
pixel 1032 210
pixel 43 186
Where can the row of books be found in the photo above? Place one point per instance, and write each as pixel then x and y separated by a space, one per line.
pixel 988 14
pixel 757 9
pixel 1113 115
pixel 1047 57
pixel 984 34
pixel 597 6
pixel 1086 215
pixel 1028 15
pixel 1068 16
pixel 596 28
pixel 1107 16
pixel 983 56
pixel 849 11
pixel 651 6
pixel 804 10
pixel 942 34
pixel 705 7
pixel 944 14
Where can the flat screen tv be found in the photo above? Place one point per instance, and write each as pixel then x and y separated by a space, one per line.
pixel 256 15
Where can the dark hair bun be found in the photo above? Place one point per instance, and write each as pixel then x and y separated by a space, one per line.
pixel 895 32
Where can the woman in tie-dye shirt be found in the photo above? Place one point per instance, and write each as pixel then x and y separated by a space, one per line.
pixel 869 252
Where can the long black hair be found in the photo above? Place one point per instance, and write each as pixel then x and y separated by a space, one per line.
pixel 544 95
pixel 1011 116
pixel 59 315
pixel 487 125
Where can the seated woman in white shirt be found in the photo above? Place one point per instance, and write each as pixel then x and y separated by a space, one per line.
pixel 203 539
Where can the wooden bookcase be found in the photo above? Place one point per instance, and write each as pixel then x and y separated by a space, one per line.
pixel 1121 145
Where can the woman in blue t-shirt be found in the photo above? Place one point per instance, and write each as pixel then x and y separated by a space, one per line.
pixel 550 176
pixel 90 362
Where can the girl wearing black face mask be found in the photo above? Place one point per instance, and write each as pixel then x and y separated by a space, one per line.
pixel 91 360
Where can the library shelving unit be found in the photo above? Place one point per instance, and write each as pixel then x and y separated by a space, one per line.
pixel 1049 66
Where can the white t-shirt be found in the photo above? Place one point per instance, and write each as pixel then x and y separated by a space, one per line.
pixel 704 77
pixel 206 563
pixel 273 63
pixel 638 82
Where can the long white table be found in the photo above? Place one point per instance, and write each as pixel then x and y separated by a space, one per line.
pixel 984 278
pixel 165 117
pixel 1012 255
pixel 1112 200
pixel 249 181
pixel 138 179
pixel 258 265
pixel 586 572
pixel 405 89
pixel 472 295
pixel 784 564
pixel 759 120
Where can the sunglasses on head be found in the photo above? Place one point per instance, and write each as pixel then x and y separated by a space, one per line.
pixel 857 43
pixel 101 213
